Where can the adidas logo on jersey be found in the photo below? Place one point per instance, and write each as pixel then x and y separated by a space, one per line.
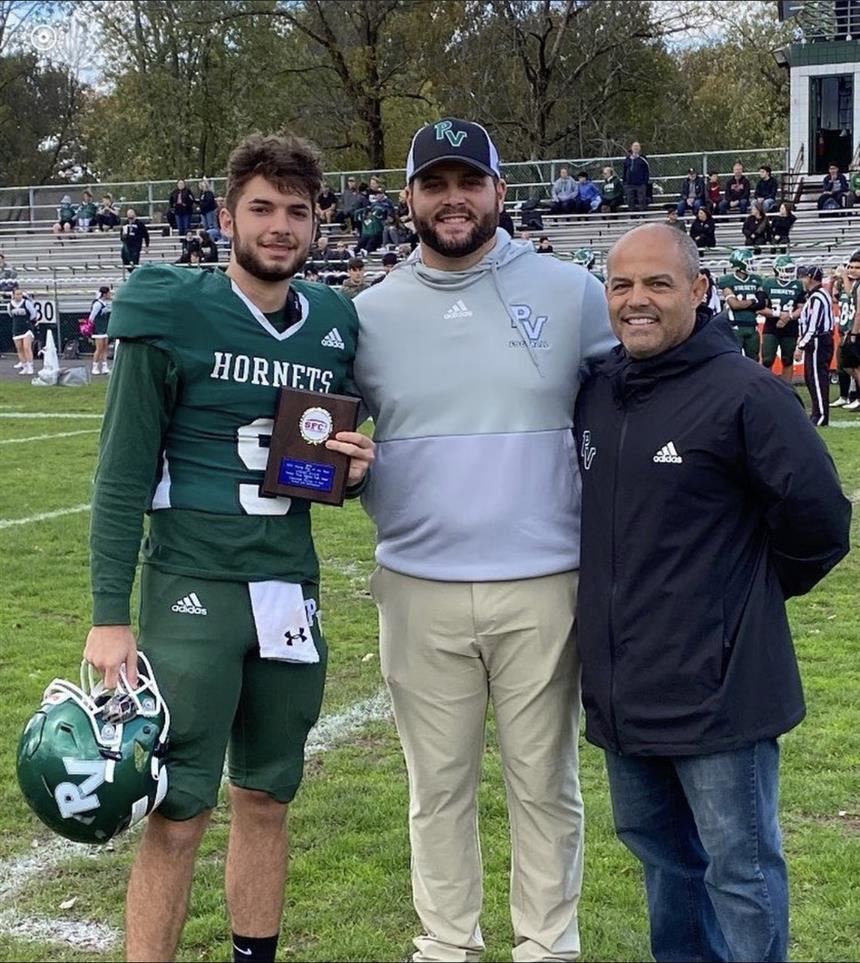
pixel 190 605
pixel 668 455
pixel 457 310
pixel 332 339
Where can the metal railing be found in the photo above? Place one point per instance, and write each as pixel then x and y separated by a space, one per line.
pixel 25 208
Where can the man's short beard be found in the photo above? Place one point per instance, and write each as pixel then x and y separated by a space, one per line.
pixel 247 259
pixel 482 231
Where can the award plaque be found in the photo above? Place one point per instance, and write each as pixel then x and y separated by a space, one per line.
pixel 299 465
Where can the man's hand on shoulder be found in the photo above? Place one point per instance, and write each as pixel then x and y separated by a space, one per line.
pixel 110 646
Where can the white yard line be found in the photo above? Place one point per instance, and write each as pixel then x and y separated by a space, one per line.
pixel 16 874
pixel 43 516
pixel 836 424
pixel 48 414
pixel 59 434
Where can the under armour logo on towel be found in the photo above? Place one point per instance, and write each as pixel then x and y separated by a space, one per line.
pixel 293 637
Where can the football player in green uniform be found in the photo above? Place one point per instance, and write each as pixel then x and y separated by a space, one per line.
pixel 846 290
pixel 586 258
pixel 741 294
pixel 229 586
pixel 783 294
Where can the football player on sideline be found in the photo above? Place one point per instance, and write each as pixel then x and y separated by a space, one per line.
pixel 229 585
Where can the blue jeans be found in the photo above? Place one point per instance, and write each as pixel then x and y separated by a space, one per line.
pixel 706 829
pixel 684 206
pixel 183 223
pixel 210 220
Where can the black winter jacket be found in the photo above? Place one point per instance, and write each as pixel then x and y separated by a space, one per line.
pixel 708 499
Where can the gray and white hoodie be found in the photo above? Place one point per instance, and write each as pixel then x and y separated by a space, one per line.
pixel 471 379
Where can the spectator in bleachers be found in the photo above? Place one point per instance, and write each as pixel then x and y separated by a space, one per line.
pixel 182 206
pixel 611 191
pixel 395 232
pixel 757 228
pixel 588 197
pixel 215 232
pixel 389 262
pixel 86 212
pixel 106 215
pixel 767 189
pixel 702 230
pixel 356 282
pixel 673 219
pixel 65 216
pixel 351 201
pixel 321 250
pixel 311 273
pixel 544 246
pixel 737 192
pixel 326 204
pixel 835 193
pixel 693 194
pixel 564 192
pixel 207 206
pixel 525 235
pixel 713 192
pixel 372 226
pixel 781 225
pixel 133 235
pixel 7 275
pixel 208 248
pixel 636 177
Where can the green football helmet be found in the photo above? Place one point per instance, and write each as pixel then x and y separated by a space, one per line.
pixel 584 256
pixel 91 760
pixel 741 258
pixel 785 268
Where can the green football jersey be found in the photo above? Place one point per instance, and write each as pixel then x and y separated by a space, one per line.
pixel 221 364
pixel 782 296
pixel 741 288
pixel 846 310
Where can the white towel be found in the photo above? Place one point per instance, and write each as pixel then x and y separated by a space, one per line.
pixel 281 617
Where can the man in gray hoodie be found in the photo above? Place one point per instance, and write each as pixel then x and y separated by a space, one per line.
pixel 468 360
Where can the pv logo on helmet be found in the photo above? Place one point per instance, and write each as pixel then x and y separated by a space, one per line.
pixel 73 798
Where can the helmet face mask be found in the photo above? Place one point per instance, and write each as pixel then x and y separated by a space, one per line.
pixel 785 269
pixel 91 762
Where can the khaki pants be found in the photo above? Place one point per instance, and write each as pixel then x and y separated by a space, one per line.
pixel 446 649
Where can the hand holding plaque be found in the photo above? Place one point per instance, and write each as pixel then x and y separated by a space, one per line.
pixel 300 465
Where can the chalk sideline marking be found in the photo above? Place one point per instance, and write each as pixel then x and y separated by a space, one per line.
pixel 59 434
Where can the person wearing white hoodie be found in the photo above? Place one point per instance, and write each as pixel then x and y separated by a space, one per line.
pixel 469 361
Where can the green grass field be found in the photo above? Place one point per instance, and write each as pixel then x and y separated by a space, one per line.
pixel 348 897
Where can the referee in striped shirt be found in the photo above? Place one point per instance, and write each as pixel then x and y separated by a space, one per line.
pixel 816 341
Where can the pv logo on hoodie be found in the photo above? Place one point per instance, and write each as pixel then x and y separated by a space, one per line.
pixel 526 323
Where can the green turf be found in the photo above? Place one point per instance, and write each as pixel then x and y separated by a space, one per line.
pixel 349 897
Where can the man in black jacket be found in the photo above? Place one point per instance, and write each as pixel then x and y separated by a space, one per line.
pixel 708 500
pixel 636 175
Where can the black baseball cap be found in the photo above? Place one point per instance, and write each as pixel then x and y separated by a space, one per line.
pixel 814 272
pixel 451 139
